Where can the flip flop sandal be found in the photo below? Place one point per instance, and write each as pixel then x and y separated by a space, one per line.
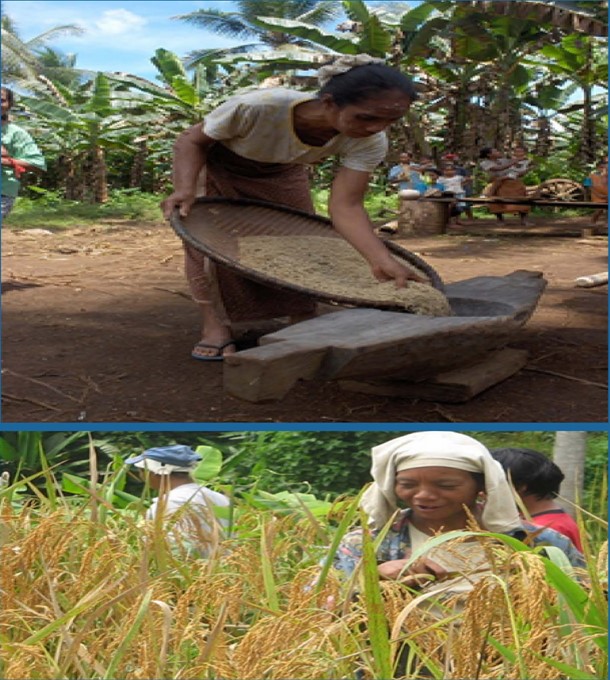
pixel 212 357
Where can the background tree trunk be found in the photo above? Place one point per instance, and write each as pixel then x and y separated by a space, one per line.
pixel 569 454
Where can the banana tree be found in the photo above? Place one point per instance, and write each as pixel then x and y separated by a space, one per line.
pixel 27 454
pixel 583 61
pixel 81 125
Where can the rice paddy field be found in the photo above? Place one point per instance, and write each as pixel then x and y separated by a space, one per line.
pixel 90 589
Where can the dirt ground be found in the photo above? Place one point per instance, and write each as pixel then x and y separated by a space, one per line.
pixel 97 327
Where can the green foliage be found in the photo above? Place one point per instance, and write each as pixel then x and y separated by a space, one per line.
pixel 42 208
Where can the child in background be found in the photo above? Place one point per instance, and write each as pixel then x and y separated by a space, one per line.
pixel 522 166
pixel 537 480
pixel 453 183
pixel 431 177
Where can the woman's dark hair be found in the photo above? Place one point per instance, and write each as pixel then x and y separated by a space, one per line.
pixel 484 153
pixel 367 82
pixel 9 95
pixel 531 472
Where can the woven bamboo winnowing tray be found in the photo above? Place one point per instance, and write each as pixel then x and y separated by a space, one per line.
pixel 215 225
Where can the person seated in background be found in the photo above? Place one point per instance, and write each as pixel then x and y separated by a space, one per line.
pixel 453 183
pixel 431 177
pixel 454 159
pixel 523 164
pixel 423 163
pixel 183 505
pixel 599 188
pixel 500 171
pixel 537 479
pixel 404 175
pixel 442 480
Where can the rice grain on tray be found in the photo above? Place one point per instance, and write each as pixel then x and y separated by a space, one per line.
pixel 332 266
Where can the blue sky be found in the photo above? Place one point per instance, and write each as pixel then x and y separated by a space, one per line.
pixel 120 35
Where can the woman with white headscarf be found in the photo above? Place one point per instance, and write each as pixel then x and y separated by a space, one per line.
pixel 258 145
pixel 444 480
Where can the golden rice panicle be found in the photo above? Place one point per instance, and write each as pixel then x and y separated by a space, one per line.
pixel 24 661
pixel 414 623
pixel 395 598
pixel 261 653
pixel 100 561
pixel 301 590
pixel 48 541
pixel 485 608
pixel 516 615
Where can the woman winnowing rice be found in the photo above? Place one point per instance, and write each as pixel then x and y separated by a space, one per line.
pixel 257 145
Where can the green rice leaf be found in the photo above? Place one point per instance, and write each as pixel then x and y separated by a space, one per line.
pixel 129 636
pixel 378 626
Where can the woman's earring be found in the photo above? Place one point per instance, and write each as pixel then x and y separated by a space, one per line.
pixel 481 498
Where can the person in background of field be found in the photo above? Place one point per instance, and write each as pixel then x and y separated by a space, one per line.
pixel 523 164
pixel 506 182
pixel 404 175
pixel 183 505
pixel 431 176
pixel 453 183
pixel 19 154
pixel 423 163
pixel 537 479
pixel 454 159
pixel 258 145
pixel 599 188
pixel 442 479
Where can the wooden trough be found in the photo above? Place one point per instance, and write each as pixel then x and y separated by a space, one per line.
pixel 383 352
pixel 368 346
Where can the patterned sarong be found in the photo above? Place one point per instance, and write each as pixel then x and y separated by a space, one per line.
pixel 235 297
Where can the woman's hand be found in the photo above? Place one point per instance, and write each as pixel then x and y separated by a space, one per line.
pixel 190 152
pixel 393 569
pixel 419 573
pixel 389 269
pixel 350 219
pixel 181 200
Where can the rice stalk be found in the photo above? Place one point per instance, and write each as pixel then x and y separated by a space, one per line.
pixel 129 635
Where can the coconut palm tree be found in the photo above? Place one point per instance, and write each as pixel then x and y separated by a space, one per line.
pixel 24 60
pixel 242 24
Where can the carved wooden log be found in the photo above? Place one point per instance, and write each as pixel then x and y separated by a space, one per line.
pixel 370 343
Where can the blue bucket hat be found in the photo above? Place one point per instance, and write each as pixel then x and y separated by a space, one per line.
pixel 177 458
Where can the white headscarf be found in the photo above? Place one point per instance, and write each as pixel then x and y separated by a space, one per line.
pixel 443 449
pixel 344 64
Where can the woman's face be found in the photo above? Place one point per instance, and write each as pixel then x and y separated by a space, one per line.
pixel 436 494
pixel 370 116
pixel 6 105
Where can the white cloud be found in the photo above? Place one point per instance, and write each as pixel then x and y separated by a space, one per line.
pixel 118 21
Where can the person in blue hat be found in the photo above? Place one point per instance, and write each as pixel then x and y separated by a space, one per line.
pixel 185 506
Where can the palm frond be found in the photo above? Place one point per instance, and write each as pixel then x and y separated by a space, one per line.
pixel 197 57
pixel 229 24
pixel 53 33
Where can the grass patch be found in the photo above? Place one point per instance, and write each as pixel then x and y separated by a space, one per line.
pixel 49 211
